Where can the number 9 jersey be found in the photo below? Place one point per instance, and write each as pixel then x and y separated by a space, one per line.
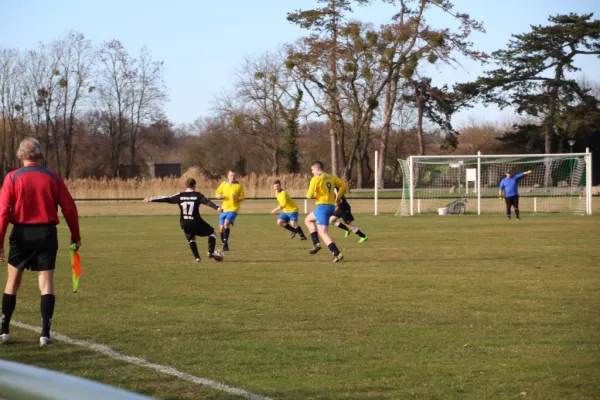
pixel 322 188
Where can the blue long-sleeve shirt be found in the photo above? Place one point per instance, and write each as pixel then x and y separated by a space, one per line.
pixel 511 185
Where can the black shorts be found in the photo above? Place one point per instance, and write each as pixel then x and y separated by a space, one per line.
pixel 512 201
pixel 344 211
pixel 33 247
pixel 200 228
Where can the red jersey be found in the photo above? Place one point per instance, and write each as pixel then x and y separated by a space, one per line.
pixel 31 195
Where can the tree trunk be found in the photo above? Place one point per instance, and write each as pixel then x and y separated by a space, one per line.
pixel 419 102
pixel 391 93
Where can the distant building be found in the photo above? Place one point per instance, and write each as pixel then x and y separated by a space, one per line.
pixel 166 170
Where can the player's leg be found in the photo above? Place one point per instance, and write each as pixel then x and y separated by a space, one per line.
pixel 206 230
pixel 283 222
pixel 9 300
pixel 323 216
pixel 516 206
pixel 229 222
pixel 222 217
pixel 47 301
pixel 311 223
pixel 349 219
pixel 294 223
pixel 507 201
pixel 191 238
pixel 44 262
pixel 334 220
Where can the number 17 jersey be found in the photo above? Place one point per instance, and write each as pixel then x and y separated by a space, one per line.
pixel 189 205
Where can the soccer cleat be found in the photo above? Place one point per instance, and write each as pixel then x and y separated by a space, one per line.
pixel 45 341
pixel 347 234
pixel 315 248
pixel 215 256
pixel 225 247
pixel 197 260
pixel 4 338
pixel 303 238
pixel 508 217
pixel 363 239
pixel 338 258
pixel 294 235
pixel 518 219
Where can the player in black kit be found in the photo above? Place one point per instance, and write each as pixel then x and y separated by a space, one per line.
pixel 190 220
pixel 344 211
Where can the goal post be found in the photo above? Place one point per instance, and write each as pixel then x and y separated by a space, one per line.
pixel 468 184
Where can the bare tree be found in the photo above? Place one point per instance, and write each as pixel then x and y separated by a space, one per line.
pixel 147 94
pixel 117 70
pixel 263 100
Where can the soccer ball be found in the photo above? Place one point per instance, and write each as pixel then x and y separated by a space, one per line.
pixel 220 253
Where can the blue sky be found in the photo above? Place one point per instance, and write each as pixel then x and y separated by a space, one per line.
pixel 202 42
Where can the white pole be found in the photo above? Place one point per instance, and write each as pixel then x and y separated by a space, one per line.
pixel 376 180
pixel 588 181
pixel 410 182
pixel 418 206
pixel 479 183
pixel 305 206
pixel 535 204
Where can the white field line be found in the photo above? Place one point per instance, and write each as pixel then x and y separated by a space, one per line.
pixel 140 362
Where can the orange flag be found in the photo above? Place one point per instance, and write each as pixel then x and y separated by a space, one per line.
pixel 75 266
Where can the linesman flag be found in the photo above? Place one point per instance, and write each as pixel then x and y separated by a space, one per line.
pixel 75 266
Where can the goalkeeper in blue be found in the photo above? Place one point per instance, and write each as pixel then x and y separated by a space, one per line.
pixel 510 185
pixel 288 217
pixel 321 188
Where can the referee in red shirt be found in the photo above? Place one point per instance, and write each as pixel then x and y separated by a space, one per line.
pixel 29 201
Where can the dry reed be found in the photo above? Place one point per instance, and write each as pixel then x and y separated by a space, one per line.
pixel 254 186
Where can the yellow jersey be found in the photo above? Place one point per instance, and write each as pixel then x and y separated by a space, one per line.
pixel 285 202
pixel 322 188
pixel 228 190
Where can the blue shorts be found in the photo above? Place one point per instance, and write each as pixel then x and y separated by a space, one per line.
pixel 323 212
pixel 229 216
pixel 287 217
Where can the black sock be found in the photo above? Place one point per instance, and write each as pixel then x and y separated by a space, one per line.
pixel 289 228
pixel 222 237
pixel 47 308
pixel 226 235
pixel 212 241
pixel 300 232
pixel 342 226
pixel 315 238
pixel 194 248
pixel 9 302
pixel 333 248
pixel 359 233
pixel 517 212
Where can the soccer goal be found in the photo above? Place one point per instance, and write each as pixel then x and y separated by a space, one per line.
pixel 448 185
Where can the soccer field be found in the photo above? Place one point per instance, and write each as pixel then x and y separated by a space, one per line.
pixel 429 308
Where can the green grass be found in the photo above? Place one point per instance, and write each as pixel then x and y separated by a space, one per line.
pixel 428 308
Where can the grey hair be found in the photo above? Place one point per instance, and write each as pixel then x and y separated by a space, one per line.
pixel 29 149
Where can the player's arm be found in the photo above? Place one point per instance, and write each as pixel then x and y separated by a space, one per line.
pixel 6 197
pixel 522 174
pixel 241 196
pixel 342 187
pixel 164 199
pixel 209 202
pixel 69 210
pixel 500 189
pixel 312 188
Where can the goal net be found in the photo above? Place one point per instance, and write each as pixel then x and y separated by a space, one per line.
pixel 449 185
